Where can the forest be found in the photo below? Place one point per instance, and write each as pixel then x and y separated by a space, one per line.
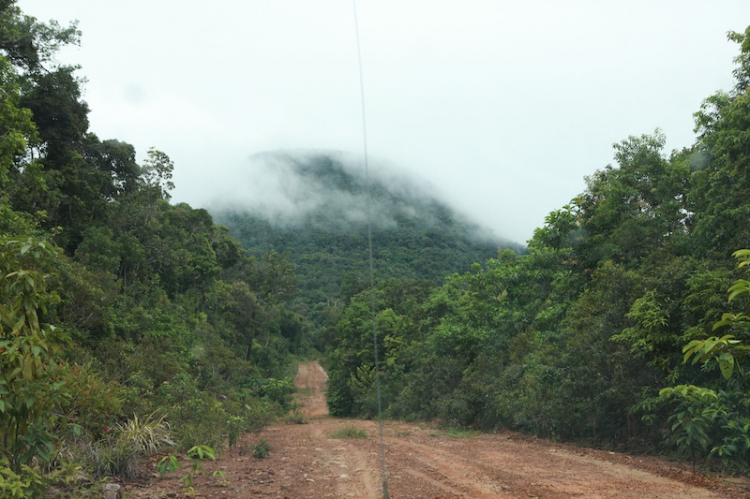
pixel 414 235
pixel 130 324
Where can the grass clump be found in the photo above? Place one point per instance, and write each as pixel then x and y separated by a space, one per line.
pixel 350 432
pixel 462 433
pixel 456 433
pixel 121 452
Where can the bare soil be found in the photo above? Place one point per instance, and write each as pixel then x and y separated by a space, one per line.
pixel 306 462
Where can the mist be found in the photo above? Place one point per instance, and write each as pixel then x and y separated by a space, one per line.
pixel 504 106
pixel 328 189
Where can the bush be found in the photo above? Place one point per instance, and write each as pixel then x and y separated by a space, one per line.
pixel 279 391
pixel 31 482
pixel 92 403
pixel 295 417
pixel 261 449
pixel 121 453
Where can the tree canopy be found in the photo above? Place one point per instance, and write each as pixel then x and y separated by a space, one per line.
pixel 118 309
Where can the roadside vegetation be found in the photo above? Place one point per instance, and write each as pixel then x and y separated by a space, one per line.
pixel 128 324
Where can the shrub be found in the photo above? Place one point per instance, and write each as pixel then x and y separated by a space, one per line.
pixel 120 454
pixel 295 417
pixel 261 449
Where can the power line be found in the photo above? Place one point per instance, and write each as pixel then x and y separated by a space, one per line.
pixel 369 249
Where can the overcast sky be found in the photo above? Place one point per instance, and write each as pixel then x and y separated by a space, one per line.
pixel 503 106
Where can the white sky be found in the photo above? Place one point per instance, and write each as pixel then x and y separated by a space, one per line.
pixel 503 106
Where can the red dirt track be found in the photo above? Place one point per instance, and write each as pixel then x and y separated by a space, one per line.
pixel 305 462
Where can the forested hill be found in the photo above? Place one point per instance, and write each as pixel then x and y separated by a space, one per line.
pixel 320 219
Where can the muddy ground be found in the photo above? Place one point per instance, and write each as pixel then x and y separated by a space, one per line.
pixel 421 461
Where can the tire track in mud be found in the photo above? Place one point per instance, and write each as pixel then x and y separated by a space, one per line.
pixel 311 383
pixel 461 476
pixel 473 467
pixel 347 465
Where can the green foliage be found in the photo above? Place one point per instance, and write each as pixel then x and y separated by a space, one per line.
pixel 695 412
pixel 159 311
pixel 261 449
pixel 144 436
pixel 17 129
pixel 351 384
pixel 31 482
pixel 724 350
pixel 28 43
pixel 720 187
pixel 157 173
pixel 712 421
pixel 235 426
pixel 461 433
pixel 727 351
pixel 29 383
pixel 168 464
pixel 222 477
pixel 26 483
pixel 93 404
pixel 197 454
pixel 295 417
pixel 415 236
pixel 572 339
pixel 155 309
pixel 197 416
pixel 277 391
pixel 120 452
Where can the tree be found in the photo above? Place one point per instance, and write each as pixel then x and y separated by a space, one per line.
pixel 30 392
pixel 157 173
pixel 118 174
pixel 712 420
pixel 16 128
pixel 629 211
pixel 742 72
pixel 721 178
pixel 29 44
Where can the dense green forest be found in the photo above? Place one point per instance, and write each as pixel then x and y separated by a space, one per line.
pixel 127 324
pixel 414 235
pixel 615 328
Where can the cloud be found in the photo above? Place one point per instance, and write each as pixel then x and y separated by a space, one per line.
pixel 503 106
pixel 329 189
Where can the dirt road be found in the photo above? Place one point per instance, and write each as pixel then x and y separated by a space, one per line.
pixel 305 462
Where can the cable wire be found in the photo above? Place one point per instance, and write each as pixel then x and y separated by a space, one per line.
pixel 369 250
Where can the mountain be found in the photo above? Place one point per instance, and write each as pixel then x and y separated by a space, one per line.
pixel 318 213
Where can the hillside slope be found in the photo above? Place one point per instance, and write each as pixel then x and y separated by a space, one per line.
pixel 319 216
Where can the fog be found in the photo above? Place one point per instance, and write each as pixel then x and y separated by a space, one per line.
pixel 503 107
pixel 287 186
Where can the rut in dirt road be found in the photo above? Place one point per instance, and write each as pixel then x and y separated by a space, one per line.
pixel 311 383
